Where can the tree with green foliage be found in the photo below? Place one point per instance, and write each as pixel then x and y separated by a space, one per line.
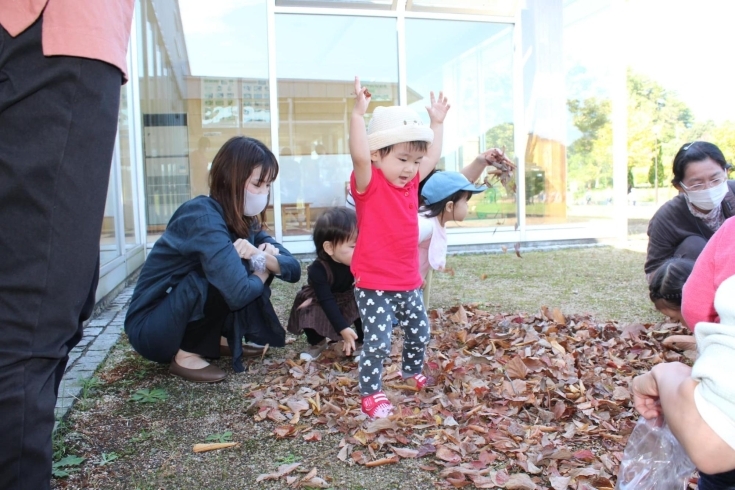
pixel 589 157
pixel 658 124
pixel 501 136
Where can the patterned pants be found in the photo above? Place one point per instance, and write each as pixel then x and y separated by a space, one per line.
pixel 379 311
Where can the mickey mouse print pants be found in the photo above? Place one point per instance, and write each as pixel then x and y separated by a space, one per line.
pixel 379 311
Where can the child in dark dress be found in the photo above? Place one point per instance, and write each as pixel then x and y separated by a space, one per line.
pixel 325 307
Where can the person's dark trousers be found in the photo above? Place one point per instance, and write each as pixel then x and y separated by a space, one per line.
pixel 718 481
pixel 690 247
pixel 203 336
pixel 58 120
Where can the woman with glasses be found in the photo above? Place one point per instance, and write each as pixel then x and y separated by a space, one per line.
pixel 682 226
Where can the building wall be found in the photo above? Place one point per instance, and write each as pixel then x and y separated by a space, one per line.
pixel 515 73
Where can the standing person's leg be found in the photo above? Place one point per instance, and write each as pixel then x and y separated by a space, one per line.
pixel 58 117
pixel 377 323
pixel 359 331
pixel 427 288
pixel 412 317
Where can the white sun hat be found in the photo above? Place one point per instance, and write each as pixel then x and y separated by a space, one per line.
pixel 396 124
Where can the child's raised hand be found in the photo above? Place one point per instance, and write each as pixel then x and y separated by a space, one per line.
pixel 496 158
pixel 362 98
pixel 438 108
pixel 348 336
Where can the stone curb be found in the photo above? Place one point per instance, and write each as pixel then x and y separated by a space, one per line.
pixel 100 334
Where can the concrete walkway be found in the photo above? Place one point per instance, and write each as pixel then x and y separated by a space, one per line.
pixel 100 334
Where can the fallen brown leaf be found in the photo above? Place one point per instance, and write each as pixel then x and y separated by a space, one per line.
pixel 201 448
pixel 382 461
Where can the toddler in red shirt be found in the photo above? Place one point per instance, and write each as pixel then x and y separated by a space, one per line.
pixel 389 160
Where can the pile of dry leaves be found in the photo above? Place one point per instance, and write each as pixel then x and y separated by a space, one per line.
pixel 516 401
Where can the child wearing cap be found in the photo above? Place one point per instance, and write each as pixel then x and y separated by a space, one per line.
pixel 389 161
pixel 445 197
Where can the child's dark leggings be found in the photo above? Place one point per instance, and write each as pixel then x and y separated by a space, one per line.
pixel 379 310
pixel 314 338
pixel 718 481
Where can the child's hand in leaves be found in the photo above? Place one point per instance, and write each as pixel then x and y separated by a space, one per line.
pixel 349 336
pixel 438 108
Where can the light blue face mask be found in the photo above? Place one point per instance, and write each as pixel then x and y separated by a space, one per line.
pixel 708 199
pixel 254 203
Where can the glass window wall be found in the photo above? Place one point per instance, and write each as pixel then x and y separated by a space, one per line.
pixel 472 62
pixel 109 247
pixel 318 58
pixel 505 8
pixel 567 86
pixel 204 78
pixel 126 142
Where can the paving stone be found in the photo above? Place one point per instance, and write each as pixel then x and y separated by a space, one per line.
pixel 92 361
pixel 115 329
pixel 100 334
pixel 92 331
pixel 69 397
pixel 73 356
pixel 104 342
pixel 83 343
pixel 78 374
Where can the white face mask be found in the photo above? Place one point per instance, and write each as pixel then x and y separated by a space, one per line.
pixel 254 203
pixel 708 199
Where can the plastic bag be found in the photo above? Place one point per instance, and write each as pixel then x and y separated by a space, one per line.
pixel 654 459
pixel 257 262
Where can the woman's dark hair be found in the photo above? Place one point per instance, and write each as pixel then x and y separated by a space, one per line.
pixel 436 209
pixel 668 281
pixel 696 151
pixel 336 225
pixel 231 168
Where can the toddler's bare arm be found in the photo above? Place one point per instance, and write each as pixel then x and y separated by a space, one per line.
pixel 359 149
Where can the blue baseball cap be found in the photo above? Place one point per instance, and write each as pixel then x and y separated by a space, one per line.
pixel 442 185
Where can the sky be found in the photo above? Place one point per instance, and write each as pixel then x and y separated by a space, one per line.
pixel 687 46
pixel 684 45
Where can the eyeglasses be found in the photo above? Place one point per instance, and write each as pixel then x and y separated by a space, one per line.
pixel 706 185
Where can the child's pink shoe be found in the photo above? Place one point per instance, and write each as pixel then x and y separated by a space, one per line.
pixel 377 405
pixel 419 380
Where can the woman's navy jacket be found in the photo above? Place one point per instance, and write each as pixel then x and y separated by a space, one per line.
pixel 197 251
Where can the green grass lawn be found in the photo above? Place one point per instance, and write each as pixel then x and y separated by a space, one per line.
pixel 605 282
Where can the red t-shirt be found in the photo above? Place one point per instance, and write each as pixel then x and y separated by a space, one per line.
pixel 386 255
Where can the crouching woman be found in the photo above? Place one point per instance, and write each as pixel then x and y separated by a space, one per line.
pixel 204 286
